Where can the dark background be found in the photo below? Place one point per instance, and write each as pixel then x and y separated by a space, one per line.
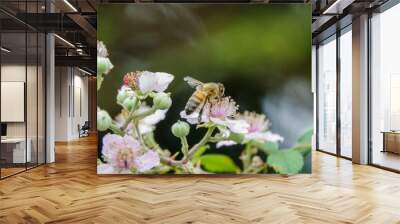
pixel 261 53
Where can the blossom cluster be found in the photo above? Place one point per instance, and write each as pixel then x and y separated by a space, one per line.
pixel 130 146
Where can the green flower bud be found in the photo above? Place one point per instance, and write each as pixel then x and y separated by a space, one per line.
pixel 180 129
pixel 104 65
pixel 103 120
pixel 124 93
pixel 129 103
pixel 162 101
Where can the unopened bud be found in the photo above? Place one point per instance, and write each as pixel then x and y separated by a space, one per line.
pixel 103 120
pixel 180 129
pixel 162 101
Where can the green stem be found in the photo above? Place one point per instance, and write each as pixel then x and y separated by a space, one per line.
pixel 114 128
pixel 130 116
pixel 246 157
pixel 185 147
pixel 136 127
pixel 202 142
pixel 139 116
pixel 191 152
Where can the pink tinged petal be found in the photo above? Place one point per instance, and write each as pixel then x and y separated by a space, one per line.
pixel 237 126
pixel 147 161
pixel 105 169
pixel 274 137
pixel 111 143
pixel 131 143
pixel 225 143
pixel 219 121
pixel 264 136
pixel 163 80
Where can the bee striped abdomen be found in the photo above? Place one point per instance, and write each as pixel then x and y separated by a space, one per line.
pixel 195 101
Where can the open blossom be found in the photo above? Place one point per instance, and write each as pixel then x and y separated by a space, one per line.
pixel 147 161
pixel 222 113
pixel 146 81
pixel 125 153
pixel 146 125
pixel 258 128
pixel 120 151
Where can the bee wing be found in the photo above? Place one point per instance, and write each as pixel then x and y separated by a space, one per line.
pixel 193 82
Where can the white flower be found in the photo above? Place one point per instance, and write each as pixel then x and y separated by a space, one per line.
pixel 158 81
pixel 258 128
pixel 147 161
pixel 264 136
pixel 146 81
pixel 148 124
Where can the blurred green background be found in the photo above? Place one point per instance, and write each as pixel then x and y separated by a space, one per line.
pixel 261 53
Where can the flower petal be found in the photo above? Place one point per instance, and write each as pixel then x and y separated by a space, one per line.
pixel 147 161
pixel 153 119
pixel 225 143
pixel 111 143
pixel 238 126
pixel 132 143
pixel 147 81
pixel 264 136
pixel 163 80
pixel 192 118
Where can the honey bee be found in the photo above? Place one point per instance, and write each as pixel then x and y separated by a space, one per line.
pixel 205 92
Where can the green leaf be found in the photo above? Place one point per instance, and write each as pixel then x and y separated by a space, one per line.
pixel 306 137
pixel 199 152
pixel 287 161
pixel 266 147
pixel 303 149
pixel 218 163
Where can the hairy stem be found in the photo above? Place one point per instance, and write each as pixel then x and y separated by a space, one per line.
pixel 192 151
pixel 185 147
pixel 246 156
pixel 114 128
pixel 202 142
pixel 136 127
pixel 139 116
pixel 130 116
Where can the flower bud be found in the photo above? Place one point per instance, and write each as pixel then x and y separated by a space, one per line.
pixel 129 103
pixel 103 120
pixel 162 101
pixel 124 93
pixel 180 129
pixel 104 65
